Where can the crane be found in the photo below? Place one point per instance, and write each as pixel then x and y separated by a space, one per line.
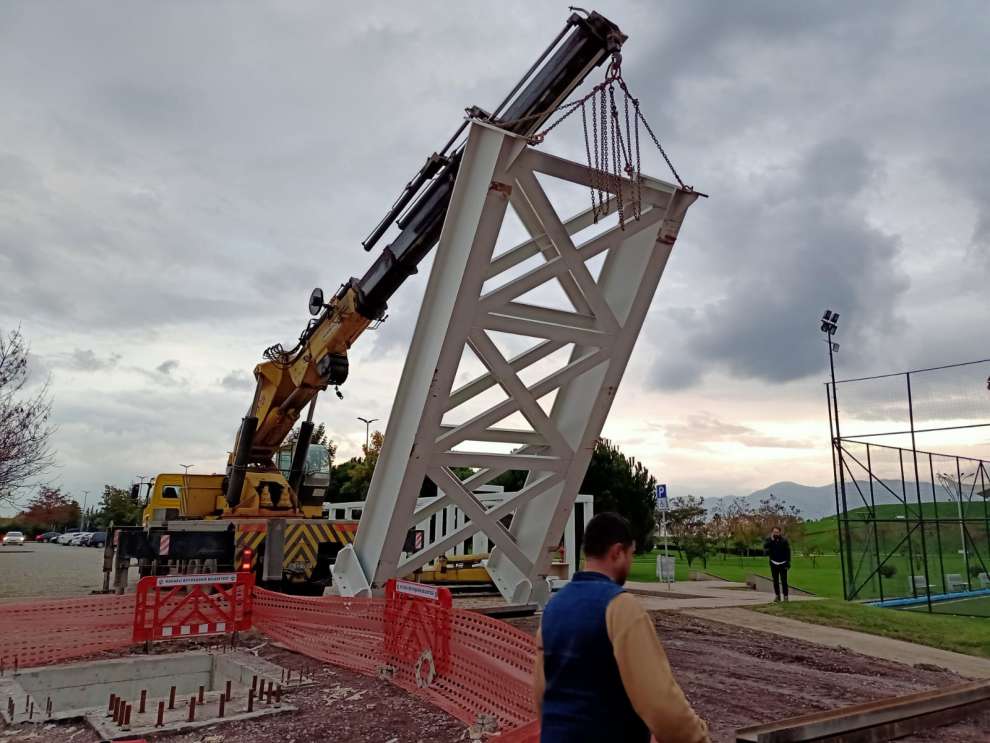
pixel 289 380
pixel 258 514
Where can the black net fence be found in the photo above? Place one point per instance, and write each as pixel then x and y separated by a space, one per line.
pixel 913 520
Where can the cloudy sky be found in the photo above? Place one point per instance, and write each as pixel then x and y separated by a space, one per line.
pixel 175 177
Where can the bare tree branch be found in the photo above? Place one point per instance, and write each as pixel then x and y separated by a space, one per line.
pixel 25 427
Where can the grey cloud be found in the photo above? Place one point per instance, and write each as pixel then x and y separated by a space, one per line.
pixel 790 257
pixel 85 359
pixel 178 171
pixel 703 428
pixel 167 367
pixel 237 380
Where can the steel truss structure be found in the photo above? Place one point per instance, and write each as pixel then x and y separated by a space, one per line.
pixel 473 294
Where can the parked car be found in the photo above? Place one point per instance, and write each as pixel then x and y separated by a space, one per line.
pixel 48 536
pixel 64 538
pixel 13 538
pixel 97 539
pixel 76 539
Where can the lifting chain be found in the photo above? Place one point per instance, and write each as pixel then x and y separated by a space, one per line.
pixel 613 147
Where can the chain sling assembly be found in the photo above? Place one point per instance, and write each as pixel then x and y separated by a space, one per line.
pixel 612 147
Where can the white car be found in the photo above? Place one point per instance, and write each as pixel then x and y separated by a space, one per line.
pixel 76 539
pixel 13 537
pixel 64 538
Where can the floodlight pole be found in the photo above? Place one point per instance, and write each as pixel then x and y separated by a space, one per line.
pixel 837 446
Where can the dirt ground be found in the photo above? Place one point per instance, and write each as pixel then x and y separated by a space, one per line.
pixel 733 676
pixel 736 677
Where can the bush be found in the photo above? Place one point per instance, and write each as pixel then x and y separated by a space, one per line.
pixel 975 570
pixel 888 571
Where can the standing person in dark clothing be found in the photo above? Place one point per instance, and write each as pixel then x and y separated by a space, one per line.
pixel 778 549
pixel 601 674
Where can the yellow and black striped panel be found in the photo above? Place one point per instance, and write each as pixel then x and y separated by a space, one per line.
pixel 250 535
pixel 302 540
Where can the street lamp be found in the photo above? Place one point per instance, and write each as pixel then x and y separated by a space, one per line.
pixel 185 476
pixel 367 431
pixel 82 515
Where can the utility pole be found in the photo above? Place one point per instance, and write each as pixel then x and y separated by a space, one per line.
pixel 82 514
pixel 367 431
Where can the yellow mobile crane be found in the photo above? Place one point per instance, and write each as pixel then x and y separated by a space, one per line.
pixel 258 516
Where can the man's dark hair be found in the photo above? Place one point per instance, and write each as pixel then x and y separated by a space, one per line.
pixel 604 530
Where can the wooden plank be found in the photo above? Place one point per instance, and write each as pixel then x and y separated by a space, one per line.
pixel 876 721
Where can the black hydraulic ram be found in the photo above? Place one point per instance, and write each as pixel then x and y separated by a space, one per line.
pixel 584 44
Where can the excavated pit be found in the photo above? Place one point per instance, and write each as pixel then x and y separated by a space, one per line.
pixel 83 690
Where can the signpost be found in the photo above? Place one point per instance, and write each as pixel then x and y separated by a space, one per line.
pixel 665 563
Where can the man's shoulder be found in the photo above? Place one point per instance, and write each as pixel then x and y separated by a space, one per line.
pixel 623 612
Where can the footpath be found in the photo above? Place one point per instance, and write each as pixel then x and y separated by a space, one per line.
pixel 700 594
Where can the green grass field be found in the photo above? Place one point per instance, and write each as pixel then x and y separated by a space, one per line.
pixel 970 635
pixel 977 606
pixel 825 579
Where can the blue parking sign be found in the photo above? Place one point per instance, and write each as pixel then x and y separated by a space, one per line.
pixel 662 497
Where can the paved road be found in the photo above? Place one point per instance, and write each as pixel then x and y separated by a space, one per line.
pixel 49 570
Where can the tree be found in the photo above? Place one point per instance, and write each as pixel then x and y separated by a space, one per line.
pixel 118 507
pixel 744 528
pixel 50 510
pixel 25 429
pixel 620 483
pixel 350 480
pixel 773 512
pixel 319 437
pixel 512 480
pixel 686 517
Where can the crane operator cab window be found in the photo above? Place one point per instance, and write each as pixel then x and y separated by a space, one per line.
pixel 164 502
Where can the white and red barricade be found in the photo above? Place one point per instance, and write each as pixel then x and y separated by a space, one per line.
pixel 417 620
pixel 174 606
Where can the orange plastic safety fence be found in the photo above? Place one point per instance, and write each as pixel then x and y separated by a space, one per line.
pixel 39 632
pixel 489 671
pixel 490 667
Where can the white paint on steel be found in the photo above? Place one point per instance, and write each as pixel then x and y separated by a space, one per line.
pixel 600 329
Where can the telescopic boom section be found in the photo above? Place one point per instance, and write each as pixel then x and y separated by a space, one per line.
pixel 289 380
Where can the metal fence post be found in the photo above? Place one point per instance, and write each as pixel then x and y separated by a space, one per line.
pixel 917 487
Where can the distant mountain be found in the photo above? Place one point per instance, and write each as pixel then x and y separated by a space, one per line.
pixel 815 502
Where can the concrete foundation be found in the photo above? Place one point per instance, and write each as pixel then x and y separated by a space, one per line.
pixel 36 695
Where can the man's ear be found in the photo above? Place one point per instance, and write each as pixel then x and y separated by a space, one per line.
pixel 615 551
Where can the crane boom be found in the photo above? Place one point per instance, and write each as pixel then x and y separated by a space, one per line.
pixel 289 380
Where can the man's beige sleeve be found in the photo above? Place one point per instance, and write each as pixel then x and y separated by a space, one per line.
pixel 647 677
pixel 539 683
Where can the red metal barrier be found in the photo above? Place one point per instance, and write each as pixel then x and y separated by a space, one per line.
pixel 174 606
